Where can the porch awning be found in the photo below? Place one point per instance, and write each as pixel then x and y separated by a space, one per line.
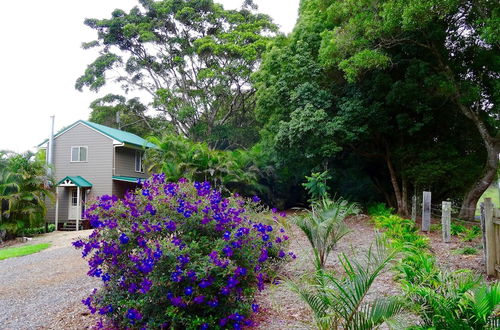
pixel 127 179
pixel 74 181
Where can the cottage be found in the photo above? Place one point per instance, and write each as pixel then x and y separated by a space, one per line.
pixel 91 160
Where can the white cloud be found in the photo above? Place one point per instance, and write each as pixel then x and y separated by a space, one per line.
pixel 41 58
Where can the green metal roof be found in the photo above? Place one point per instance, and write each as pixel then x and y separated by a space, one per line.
pixel 122 136
pixel 127 178
pixel 116 134
pixel 78 181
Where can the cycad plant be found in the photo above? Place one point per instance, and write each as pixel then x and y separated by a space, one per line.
pixel 449 300
pixel 340 303
pixel 324 225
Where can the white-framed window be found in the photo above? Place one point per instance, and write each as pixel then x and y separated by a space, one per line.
pixel 74 197
pixel 139 166
pixel 79 154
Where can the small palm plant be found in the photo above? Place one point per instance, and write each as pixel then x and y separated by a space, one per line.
pixel 324 225
pixel 339 303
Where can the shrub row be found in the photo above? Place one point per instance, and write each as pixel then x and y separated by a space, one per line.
pixel 442 299
pixel 30 232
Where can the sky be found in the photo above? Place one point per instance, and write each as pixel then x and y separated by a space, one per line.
pixel 41 58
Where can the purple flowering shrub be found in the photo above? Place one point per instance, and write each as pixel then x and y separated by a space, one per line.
pixel 179 255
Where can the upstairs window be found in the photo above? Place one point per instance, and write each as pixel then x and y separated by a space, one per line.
pixel 139 166
pixel 79 154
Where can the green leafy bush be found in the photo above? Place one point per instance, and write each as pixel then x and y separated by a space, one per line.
pixel 471 234
pixel 380 209
pixel 468 250
pixel 30 232
pixel 180 256
pixel 316 186
pixel 457 229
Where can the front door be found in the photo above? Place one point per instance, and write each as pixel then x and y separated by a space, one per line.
pixel 73 204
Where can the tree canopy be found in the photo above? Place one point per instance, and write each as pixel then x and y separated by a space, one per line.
pixel 194 58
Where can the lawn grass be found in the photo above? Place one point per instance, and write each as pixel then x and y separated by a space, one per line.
pixel 22 250
pixel 492 193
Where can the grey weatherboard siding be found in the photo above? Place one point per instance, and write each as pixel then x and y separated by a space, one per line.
pixel 125 163
pixel 97 170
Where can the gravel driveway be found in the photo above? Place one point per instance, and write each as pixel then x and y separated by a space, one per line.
pixel 40 290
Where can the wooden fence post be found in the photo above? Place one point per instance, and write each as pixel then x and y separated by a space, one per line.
pixel 446 221
pixel 490 237
pixel 426 211
pixel 414 208
pixel 483 230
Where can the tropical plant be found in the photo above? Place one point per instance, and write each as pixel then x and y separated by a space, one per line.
pixel 340 303
pixel 453 300
pixel 25 187
pixel 324 225
pixel 180 157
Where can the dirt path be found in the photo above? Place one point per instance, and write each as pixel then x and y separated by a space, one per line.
pixel 282 309
pixel 36 288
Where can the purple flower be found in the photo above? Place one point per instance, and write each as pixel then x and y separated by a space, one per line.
pixel 240 271
pixel 228 251
pixel 265 237
pixel 255 199
pixel 263 255
pixel 206 282
pixel 106 277
pixel 227 236
pixel 199 299
pixel 124 238
pixel 213 303
pixel 106 310
pixel 188 291
pixel 133 314
pixel 78 244
pixel 255 308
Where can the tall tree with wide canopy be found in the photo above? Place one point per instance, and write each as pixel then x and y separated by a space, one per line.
pixel 193 57
pixel 458 40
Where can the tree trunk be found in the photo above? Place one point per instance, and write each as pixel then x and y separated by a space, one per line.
pixel 491 143
pixel 469 203
pixel 402 208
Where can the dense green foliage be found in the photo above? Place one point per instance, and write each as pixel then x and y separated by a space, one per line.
pixel 178 157
pixel 385 128
pixel 22 250
pixel 24 189
pixel 129 115
pixel 442 299
pixel 388 101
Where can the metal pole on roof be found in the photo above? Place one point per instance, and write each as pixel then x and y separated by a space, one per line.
pixel 50 149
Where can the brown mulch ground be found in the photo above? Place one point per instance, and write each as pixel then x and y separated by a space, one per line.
pixel 447 255
pixel 282 309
